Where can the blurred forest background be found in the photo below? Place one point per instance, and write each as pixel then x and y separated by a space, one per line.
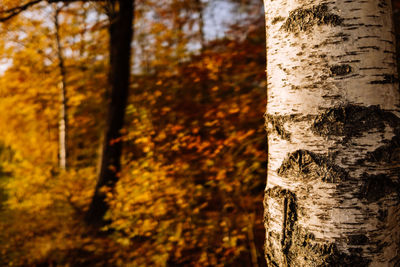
pixel 194 160
pixel 193 166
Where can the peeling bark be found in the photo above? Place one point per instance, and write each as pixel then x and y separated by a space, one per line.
pixel 333 191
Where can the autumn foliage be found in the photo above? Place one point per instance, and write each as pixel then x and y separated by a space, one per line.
pixel 190 190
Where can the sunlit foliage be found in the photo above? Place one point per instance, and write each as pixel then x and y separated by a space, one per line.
pixel 190 191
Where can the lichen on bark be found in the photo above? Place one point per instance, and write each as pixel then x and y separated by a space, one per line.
pixel 306 165
pixel 304 19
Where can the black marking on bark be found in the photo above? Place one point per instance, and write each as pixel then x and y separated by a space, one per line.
pixel 340 70
pixel 306 250
pixel 357 239
pixel 369 47
pixel 378 186
pixel 382 4
pixel 307 165
pixel 368 36
pixel 350 61
pixel 275 124
pixel 387 79
pixel 289 221
pixel 373 25
pixel 288 200
pixel 285 210
pixel 387 41
pixel 382 215
pixel 269 258
pixel 304 19
pixel 389 52
pixel 353 18
pixel 389 153
pixel 344 37
pixel 332 96
pixel 277 19
pixel 329 41
pixel 298 247
pixel 372 68
pixel 351 120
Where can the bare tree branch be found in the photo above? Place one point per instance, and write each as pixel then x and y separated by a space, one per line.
pixel 12 12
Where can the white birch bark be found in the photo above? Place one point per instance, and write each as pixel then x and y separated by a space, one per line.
pixel 332 194
pixel 63 122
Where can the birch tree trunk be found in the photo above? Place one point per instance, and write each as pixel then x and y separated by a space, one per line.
pixel 332 195
pixel 63 123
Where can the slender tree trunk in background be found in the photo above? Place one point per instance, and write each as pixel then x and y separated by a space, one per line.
pixel 250 237
pixel 121 32
pixel 177 25
pixel 63 123
pixel 199 7
pixel 332 195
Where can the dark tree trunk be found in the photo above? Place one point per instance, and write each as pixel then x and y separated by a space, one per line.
pixel 121 33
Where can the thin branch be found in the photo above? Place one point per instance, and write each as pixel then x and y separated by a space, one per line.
pixel 12 12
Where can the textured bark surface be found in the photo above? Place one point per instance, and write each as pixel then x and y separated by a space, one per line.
pixel 333 122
